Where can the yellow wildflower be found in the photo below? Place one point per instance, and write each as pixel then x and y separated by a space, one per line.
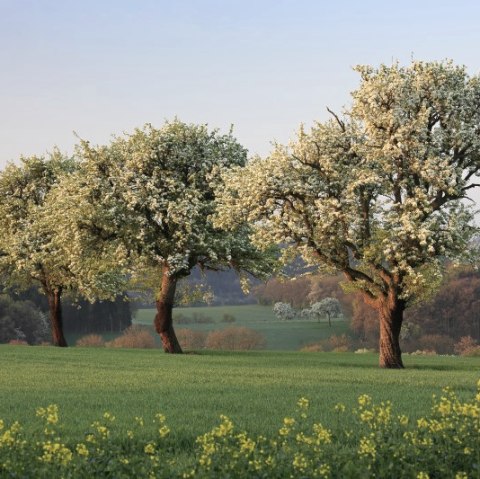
pixel 324 436
pixel 56 452
pixel 403 420
pixel 164 431
pixel 149 448
pixel 160 418
pixel 324 470
pixel 367 448
pixel 82 450
pixel 289 421
pixel 108 416
pixel 300 462
pixel 364 400
pixel 303 403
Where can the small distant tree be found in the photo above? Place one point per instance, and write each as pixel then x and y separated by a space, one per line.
pixel 284 311
pixel 329 307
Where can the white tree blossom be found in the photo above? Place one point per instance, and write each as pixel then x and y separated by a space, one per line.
pixel 284 311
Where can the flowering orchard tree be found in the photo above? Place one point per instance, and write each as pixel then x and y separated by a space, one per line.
pixel 284 311
pixel 32 244
pixel 375 194
pixel 155 191
pixel 29 253
pixel 329 307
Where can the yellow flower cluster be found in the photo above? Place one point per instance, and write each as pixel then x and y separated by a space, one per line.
pixel 50 414
pixel 102 430
pixel 163 429
pixel 149 448
pixel 373 415
pixel 9 436
pixel 367 447
pixel 56 452
pixel 82 450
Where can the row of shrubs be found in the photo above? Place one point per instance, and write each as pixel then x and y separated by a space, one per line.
pixel 231 339
pixel 372 441
pixel 427 344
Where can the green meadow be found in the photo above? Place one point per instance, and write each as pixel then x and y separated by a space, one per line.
pixel 279 335
pixel 255 389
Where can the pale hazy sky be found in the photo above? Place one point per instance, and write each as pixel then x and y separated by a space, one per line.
pixel 99 67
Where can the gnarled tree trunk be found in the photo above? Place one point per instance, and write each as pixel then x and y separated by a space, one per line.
pixel 56 320
pixel 390 310
pixel 163 319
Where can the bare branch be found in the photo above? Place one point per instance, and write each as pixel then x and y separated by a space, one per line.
pixel 340 122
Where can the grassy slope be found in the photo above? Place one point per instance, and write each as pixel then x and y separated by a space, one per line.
pixel 255 389
pixel 280 335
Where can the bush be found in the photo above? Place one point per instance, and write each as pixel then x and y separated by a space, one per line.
pixel 91 341
pixel 21 320
pixel 312 348
pixel 190 339
pixel 18 342
pixel 200 318
pixel 235 339
pixel 439 343
pixel 228 318
pixel 423 352
pixel 181 319
pixel 465 346
pixel 340 343
pixel 133 337
pixel 197 318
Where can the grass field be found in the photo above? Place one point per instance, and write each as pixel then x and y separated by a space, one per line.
pixel 256 389
pixel 279 335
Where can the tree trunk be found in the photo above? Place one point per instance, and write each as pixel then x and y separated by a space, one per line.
pixel 163 319
pixel 56 320
pixel 390 311
pixel 329 321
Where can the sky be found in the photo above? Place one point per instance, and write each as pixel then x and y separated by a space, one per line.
pixel 92 69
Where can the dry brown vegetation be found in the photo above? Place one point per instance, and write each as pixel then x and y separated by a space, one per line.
pixel 190 339
pixel 91 341
pixel 235 339
pixel 133 337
